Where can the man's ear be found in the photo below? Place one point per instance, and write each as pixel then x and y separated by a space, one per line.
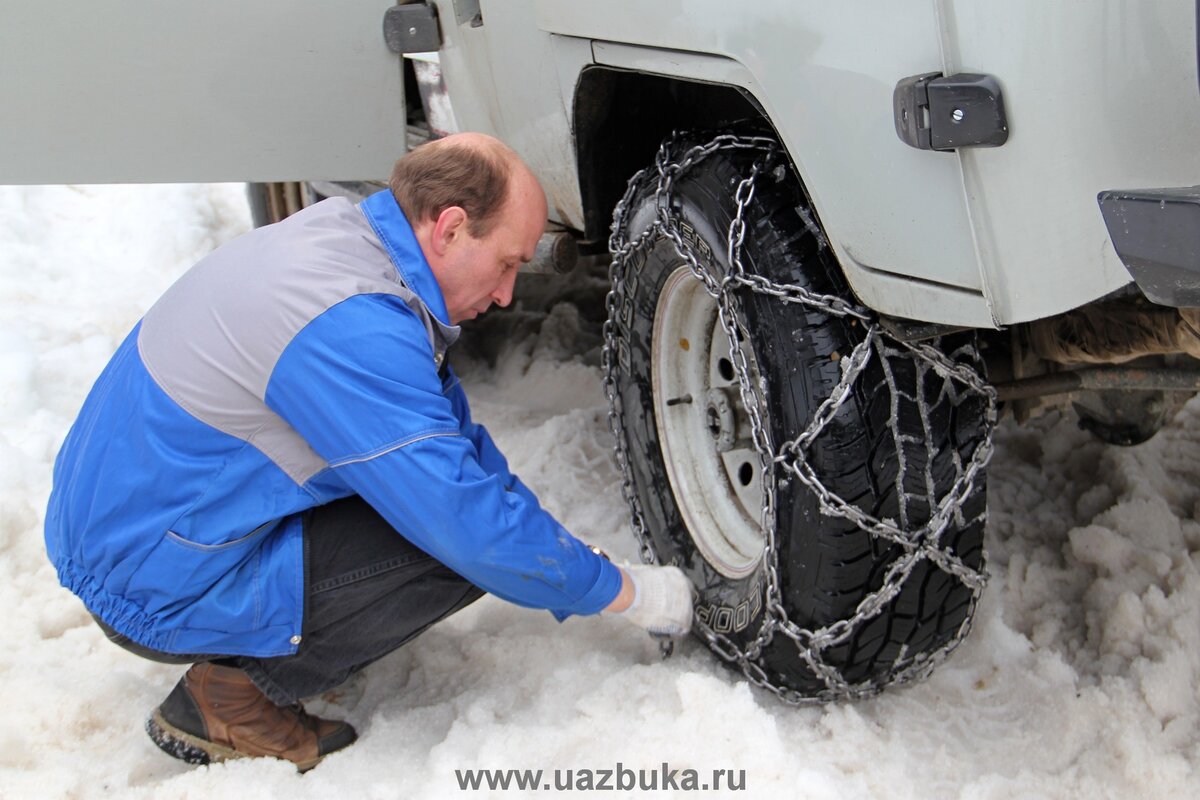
pixel 449 228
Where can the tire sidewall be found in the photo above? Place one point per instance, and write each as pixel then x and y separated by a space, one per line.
pixel 733 607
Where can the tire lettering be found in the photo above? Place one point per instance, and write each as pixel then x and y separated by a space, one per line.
pixel 741 617
pixel 631 284
pixel 729 619
pixel 694 240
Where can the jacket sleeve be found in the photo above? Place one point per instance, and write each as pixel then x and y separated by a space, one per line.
pixel 360 385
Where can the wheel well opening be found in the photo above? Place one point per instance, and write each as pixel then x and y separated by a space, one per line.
pixel 622 116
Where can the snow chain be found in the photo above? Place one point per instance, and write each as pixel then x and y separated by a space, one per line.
pixel 917 543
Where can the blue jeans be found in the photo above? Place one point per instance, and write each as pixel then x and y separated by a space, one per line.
pixel 367 591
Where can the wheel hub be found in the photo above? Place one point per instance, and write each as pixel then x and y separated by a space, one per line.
pixel 722 416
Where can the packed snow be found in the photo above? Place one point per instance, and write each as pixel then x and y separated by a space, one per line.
pixel 1080 678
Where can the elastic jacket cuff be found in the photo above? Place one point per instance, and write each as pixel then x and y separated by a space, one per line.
pixel 599 596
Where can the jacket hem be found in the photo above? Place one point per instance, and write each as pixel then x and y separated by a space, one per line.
pixel 129 619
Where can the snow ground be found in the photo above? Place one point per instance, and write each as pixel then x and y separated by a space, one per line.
pixel 1079 680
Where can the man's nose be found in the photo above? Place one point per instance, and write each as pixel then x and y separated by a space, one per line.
pixel 504 292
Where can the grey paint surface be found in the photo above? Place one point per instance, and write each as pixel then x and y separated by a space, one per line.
pixel 1100 95
pixel 126 91
pixel 502 80
pixel 824 72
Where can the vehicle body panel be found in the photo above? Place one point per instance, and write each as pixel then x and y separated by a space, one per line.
pixel 502 80
pixel 880 289
pixel 1099 96
pixel 124 91
pixel 824 73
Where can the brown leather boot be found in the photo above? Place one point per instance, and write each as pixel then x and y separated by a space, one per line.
pixel 215 713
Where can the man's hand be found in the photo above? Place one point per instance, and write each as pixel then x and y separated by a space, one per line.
pixel 658 599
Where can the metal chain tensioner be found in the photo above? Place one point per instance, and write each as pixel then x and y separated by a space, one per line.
pixel 917 543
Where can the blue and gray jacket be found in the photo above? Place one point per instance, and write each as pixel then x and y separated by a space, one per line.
pixel 291 367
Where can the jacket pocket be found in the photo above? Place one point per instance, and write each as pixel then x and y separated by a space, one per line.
pixel 216 548
pixel 215 587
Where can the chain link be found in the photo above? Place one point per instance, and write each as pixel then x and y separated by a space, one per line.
pixel 915 543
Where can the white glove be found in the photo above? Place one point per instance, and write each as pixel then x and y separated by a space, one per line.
pixel 662 600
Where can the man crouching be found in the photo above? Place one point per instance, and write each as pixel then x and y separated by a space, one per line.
pixel 277 479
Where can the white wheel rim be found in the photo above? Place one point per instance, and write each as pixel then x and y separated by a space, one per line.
pixel 719 494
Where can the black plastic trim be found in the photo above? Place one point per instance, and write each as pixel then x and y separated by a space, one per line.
pixel 1156 232
pixel 412 28
pixel 933 112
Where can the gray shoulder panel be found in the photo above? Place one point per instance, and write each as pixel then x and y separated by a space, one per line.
pixel 212 341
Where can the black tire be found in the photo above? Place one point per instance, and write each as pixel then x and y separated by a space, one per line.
pixel 826 564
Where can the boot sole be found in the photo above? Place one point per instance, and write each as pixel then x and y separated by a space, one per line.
pixel 194 750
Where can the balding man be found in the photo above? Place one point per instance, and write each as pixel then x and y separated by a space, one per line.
pixel 277 478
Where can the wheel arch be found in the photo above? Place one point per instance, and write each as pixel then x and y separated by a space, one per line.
pixel 621 115
pixel 630 98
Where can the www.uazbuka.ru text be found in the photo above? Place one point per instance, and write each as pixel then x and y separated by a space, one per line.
pixel 620 778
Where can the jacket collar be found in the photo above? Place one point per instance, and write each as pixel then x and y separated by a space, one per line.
pixel 390 225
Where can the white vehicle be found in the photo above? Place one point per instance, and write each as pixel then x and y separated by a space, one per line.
pixel 844 216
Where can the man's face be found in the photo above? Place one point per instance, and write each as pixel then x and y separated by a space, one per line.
pixel 482 271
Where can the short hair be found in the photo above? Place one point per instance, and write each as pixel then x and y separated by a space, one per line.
pixel 437 175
